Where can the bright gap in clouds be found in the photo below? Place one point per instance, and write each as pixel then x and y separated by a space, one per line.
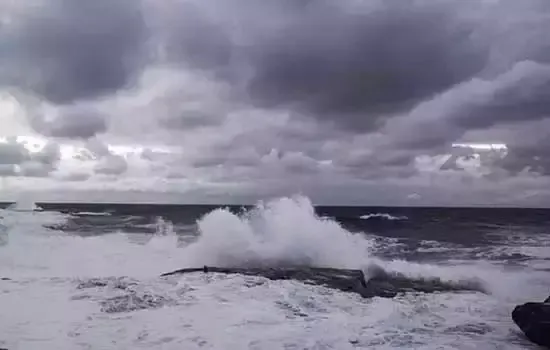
pixel 68 151
pixel 481 146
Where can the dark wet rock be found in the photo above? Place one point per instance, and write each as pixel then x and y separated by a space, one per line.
pixel 534 320
pixel 379 283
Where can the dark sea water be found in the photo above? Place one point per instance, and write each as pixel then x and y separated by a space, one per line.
pixel 415 233
pixel 47 253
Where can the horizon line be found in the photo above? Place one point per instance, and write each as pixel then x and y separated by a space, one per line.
pixel 59 203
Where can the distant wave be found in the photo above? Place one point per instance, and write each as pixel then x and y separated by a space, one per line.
pixel 91 213
pixel 382 216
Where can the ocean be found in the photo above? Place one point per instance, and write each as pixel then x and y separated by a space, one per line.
pixel 86 276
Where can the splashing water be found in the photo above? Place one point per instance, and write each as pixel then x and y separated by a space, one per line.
pixel 164 227
pixel 280 233
pixel 382 216
pixel 43 308
pixel 24 205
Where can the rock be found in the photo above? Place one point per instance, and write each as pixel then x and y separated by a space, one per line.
pixel 547 300
pixel 534 320
pixel 379 283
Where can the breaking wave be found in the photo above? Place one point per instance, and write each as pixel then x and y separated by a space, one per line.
pixel 382 216
pixel 287 232
pixel 91 213
pixel 283 232
pixel 91 290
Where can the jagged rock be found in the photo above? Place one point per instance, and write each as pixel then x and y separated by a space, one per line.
pixel 534 320
pixel 379 283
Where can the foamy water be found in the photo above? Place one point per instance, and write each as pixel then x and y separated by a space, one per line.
pixel 382 216
pixel 42 308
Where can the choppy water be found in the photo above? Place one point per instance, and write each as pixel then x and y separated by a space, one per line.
pixel 66 266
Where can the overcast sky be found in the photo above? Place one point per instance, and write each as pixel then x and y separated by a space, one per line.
pixel 347 102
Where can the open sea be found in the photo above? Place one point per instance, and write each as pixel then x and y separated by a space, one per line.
pixel 86 276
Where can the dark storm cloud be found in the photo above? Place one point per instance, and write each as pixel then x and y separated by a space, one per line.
pixel 414 76
pixel 521 94
pixel 190 36
pixel 358 67
pixel 336 64
pixel 66 50
pixel 75 122
pixel 351 64
pixel 190 119
pixel 518 97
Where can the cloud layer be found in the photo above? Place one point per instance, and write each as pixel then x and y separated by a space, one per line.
pixel 348 102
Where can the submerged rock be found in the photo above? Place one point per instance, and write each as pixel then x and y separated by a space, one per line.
pixel 133 302
pixel 379 284
pixel 113 282
pixel 534 321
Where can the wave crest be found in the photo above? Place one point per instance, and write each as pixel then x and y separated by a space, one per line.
pixel 382 216
pixel 282 232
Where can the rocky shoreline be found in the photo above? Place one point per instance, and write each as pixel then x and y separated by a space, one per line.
pixel 378 284
pixel 533 318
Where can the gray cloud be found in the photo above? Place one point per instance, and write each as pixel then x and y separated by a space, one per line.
pixel 13 153
pixel 364 65
pixel 334 64
pixel 276 96
pixel 111 165
pixel 50 154
pixel 65 50
pixel 72 122
pixel 35 169
pixel 518 96
pixel 17 160
pixel 445 68
pixel 97 149
pixel 76 177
